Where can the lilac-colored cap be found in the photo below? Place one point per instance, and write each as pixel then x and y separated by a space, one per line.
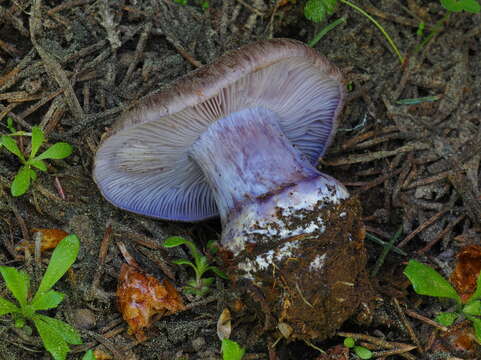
pixel 144 167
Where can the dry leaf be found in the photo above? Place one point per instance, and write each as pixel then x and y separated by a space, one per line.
pixel 102 355
pixel 224 325
pixel 468 266
pixel 141 296
pixel 49 239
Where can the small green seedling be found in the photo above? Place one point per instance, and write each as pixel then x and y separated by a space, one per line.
pixel 198 286
pixel 360 351
pixel 451 6
pixel 204 4
pixel 89 355
pixel 231 350
pixel 26 174
pixel 427 281
pixel 55 334
pixel 318 10
pixel 471 6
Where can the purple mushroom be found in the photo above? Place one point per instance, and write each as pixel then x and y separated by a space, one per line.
pixel 240 138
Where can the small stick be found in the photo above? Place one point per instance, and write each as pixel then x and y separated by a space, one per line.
pixel 407 325
pixel 59 188
pixel 104 247
pixel 44 99
pixel 425 319
pixel 392 352
pixel 360 158
pixel 138 53
pixel 421 227
pixel 184 53
pixel 442 234
pixel 429 180
pixel 68 5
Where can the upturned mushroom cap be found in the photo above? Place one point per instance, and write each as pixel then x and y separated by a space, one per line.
pixel 144 166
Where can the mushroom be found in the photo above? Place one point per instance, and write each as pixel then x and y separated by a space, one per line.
pixel 240 138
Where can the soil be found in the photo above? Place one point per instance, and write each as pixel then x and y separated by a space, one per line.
pixel 73 67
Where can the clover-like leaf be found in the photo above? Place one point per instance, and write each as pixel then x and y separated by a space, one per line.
pixel 318 10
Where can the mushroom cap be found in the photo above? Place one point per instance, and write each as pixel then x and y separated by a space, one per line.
pixel 144 167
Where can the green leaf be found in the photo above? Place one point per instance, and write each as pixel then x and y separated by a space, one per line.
pixel 21 182
pixel 174 241
pixel 37 140
pixel 184 262
pixel 318 10
pixel 57 151
pixel 39 164
pixel 473 308
pixel 62 258
pixel 89 355
pixel 212 246
pixel 32 174
pixel 427 281
pixel 47 300
pixel 231 350
pixel 52 341
pixel 7 307
pixel 10 125
pixel 18 282
pixel 207 282
pixel 452 5
pixel 349 342
pixel 362 352
pixel 12 146
pixel 477 327
pixel 446 318
pixel 471 6
pixel 202 264
pixel 218 272
pixel 64 330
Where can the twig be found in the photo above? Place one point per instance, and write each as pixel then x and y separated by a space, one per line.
pixel 425 319
pixel 138 53
pixel 442 234
pixel 407 325
pixel 52 66
pixel 360 158
pixel 421 227
pixel 104 247
pixel 68 5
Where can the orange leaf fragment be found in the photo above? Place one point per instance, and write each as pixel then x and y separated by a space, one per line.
pixel 467 270
pixel 49 239
pixel 141 296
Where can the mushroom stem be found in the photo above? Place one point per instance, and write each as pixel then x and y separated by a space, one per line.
pixel 261 183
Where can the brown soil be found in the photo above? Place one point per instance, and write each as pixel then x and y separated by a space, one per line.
pixel 72 67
